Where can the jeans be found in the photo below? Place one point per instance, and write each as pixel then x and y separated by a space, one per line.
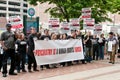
pixel 101 52
pixel 88 55
pixel 95 52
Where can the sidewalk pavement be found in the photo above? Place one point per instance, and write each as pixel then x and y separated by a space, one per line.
pixel 97 70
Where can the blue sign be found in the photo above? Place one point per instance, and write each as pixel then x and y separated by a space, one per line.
pixel 31 12
pixel 31 24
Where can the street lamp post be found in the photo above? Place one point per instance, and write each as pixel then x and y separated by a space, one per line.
pixel 114 21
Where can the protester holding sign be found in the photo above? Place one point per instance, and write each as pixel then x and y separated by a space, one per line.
pixel 112 43
pixel 88 46
pixel 101 42
pixel 21 48
pixel 95 47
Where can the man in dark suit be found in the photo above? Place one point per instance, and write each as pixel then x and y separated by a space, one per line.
pixel 31 47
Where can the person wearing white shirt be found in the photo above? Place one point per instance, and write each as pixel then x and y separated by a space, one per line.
pixel 112 42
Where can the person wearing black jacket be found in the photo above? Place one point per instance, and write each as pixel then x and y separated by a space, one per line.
pixel 46 35
pixel 1 56
pixel 101 46
pixel 21 46
pixel 31 47
pixel 118 46
pixel 95 47
pixel 88 46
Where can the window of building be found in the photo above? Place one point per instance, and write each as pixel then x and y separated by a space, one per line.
pixel 2 14
pixel 25 11
pixel 25 5
pixel 25 0
pixel 14 3
pixel 14 9
pixel 14 14
pixel 3 8
pixel 2 2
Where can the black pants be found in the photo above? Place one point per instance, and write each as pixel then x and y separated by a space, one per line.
pixel 6 54
pixel 95 52
pixel 31 60
pixel 1 58
pixel 20 60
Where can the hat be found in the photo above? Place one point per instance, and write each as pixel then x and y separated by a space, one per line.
pixel 8 25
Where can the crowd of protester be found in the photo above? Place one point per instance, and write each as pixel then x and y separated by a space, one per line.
pixel 20 49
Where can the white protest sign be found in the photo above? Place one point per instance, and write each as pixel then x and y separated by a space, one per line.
pixel 98 29
pixel 74 23
pixel 64 27
pixel 89 23
pixel 16 22
pixel 86 13
pixel 114 29
pixel 54 23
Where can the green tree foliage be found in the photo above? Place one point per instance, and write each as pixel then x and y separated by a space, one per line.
pixel 66 9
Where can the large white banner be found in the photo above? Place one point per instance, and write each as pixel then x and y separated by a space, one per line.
pixel 56 51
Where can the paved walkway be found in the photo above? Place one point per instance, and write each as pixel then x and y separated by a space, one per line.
pixel 106 73
pixel 97 70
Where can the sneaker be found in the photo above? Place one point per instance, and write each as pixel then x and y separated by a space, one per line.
pixel 12 73
pixel 41 69
pixel 4 75
pixel 36 70
pixel 18 71
pixel 29 71
pixel 24 71
pixel 113 63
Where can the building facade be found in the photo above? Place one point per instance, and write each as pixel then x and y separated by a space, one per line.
pixel 13 7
